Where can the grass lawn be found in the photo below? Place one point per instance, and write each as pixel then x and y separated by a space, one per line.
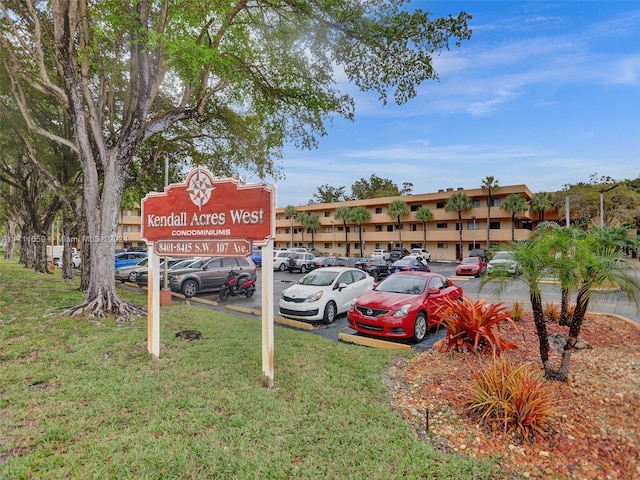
pixel 82 399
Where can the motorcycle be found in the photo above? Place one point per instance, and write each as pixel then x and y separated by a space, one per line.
pixel 236 284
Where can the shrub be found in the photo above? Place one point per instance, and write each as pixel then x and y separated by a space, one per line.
pixel 517 309
pixel 474 326
pixel 551 312
pixel 514 398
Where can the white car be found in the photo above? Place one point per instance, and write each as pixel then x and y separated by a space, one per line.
pixel 76 260
pixel 421 252
pixel 381 253
pixel 324 293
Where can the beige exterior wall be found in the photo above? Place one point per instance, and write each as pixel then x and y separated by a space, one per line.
pixel 129 229
pixel 442 236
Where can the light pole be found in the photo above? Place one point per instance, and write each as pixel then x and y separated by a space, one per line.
pixel 602 192
pixel 474 231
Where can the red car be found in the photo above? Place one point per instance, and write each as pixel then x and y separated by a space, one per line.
pixel 475 266
pixel 403 305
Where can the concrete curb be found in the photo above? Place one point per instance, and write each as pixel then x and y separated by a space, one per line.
pixel 372 342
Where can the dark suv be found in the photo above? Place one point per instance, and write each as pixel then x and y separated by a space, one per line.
pixel 376 267
pixel 398 253
pixel 208 274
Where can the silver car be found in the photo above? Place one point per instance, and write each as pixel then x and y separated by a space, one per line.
pixel 503 262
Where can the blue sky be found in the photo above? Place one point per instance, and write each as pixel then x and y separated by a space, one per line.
pixel 545 94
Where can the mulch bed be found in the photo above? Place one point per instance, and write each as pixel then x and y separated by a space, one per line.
pixel 595 435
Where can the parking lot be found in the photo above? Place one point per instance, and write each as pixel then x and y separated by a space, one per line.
pixel 609 302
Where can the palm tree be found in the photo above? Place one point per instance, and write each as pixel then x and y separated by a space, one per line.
pixel 514 203
pixel 458 202
pixel 290 212
pixel 359 215
pixel 342 213
pixel 302 220
pixel 424 215
pixel 397 209
pixel 312 223
pixel 489 185
pixel 581 261
pixel 542 202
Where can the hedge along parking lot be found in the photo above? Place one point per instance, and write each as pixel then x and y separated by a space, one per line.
pixel 82 399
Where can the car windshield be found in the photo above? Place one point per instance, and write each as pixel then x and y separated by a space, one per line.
pixel 503 256
pixel 408 284
pixel 471 260
pixel 319 278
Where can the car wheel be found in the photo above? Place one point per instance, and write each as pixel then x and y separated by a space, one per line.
pixel 375 275
pixel 282 267
pixel 303 269
pixel 420 328
pixel 190 288
pixel 133 276
pixel 330 312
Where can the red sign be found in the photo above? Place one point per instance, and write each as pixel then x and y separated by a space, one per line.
pixel 208 208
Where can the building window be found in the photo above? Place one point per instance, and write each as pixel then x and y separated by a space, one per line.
pixel 476 204
pixel 341 229
pixel 495 202
pixel 494 225
pixel 440 204
pixel 340 245
pixel 458 226
pixel 442 245
pixel 127 213
pixel 357 228
pixel 327 214
pixel 414 208
pixel 473 226
pixel 327 245
pixel 378 228
pixel 414 227
pixel 442 225
pixel 327 229
pixel 378 209
pixel 389 228
pixel 127 228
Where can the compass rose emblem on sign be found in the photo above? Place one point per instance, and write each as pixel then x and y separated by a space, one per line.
pixel 199 188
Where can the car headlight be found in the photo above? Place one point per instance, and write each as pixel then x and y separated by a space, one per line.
pixel 403 311
pixel 352 305
pixel 314 297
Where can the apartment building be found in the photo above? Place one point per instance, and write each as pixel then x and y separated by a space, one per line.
pixel 130 230
pixel 441 235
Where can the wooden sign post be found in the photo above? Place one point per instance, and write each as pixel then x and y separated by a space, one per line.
pixel 209 217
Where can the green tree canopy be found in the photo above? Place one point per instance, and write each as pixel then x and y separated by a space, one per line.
pixel 376 187
pixel 328 194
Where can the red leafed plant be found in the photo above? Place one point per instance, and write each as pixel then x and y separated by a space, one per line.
pixel 514 397
pixel 474 327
